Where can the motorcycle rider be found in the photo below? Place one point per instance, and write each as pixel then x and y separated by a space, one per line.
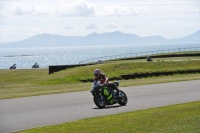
pixel 99 76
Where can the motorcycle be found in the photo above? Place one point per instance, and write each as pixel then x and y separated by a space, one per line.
pixel 35 65
pixel 13 66
pixel 104 95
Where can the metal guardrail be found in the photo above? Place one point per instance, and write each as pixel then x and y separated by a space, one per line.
pixel 141 54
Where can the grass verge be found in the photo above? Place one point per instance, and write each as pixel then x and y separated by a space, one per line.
pixel 181 118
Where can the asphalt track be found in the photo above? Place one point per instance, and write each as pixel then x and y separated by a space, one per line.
pixel 24 113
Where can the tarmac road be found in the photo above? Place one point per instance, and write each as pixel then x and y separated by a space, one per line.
pixel 23 113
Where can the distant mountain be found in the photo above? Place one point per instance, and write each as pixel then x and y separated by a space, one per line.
pixel 195 37
pixel 42 40
pixel 109 38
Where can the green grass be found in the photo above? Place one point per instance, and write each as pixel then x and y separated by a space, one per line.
pixel 181 118
pixel 32 82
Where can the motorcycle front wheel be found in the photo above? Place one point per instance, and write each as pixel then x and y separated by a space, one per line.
pixel 99 101
pixel 123 98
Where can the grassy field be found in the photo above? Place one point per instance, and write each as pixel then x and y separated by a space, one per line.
pixel 181 118
pixel 31 82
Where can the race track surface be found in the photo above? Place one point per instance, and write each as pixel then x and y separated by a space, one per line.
pixel 23 113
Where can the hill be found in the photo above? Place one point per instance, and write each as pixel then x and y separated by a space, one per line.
pixel 108 38
pixel 195 37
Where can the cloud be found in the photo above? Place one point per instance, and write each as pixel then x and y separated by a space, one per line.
pixel 78 8
pixel 91 26
pixel 42 8
pixel 153 9
pixel 85 8
pixel 127 10
pixel 21 9
pixel 111 25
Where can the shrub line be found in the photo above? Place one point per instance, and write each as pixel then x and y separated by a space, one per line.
pixel 149 74
pixel 159 73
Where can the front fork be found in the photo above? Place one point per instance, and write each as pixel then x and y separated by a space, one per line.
pixel 102 98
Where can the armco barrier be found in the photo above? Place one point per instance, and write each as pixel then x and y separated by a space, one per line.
pixel 164 56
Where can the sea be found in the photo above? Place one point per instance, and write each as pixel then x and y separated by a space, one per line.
pixel 24 58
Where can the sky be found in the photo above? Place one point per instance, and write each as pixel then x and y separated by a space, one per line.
pixel 21 19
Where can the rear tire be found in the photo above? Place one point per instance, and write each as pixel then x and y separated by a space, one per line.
pixel 99 103
pixel 122 100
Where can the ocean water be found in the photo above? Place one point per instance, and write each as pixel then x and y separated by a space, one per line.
pixel 24 58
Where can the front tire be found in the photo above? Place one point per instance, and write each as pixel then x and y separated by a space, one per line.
pixel 123 99
pixel 99 103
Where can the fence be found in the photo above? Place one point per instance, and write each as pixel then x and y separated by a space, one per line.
pixel 142 54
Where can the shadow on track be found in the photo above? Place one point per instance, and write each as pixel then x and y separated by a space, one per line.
pixel 109 107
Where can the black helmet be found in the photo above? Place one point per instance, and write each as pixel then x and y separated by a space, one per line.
pixel 97 73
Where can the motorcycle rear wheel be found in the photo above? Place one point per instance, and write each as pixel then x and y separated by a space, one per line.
pixel 99 103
